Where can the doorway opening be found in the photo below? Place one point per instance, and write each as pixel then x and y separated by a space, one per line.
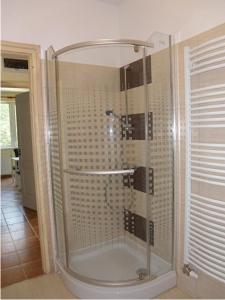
pixel 20 251
pixel 32 82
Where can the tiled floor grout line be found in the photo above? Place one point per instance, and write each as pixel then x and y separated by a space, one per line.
pixel 20 261
pixel 30 225
pixel 20 264
pixel 14 247
pixel 10 207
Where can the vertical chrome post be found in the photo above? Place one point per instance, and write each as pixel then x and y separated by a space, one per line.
pixel 147 195
pixel 188 139
pixel 174 146
pixel 49 148
pixel 59 116
pixel 126 96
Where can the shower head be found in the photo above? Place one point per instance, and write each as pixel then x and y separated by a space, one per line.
pixel 113 114
pixel 109 112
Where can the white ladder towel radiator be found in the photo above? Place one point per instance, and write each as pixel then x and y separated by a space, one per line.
pixel 205 159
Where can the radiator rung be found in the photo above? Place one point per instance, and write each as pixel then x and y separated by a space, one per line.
pixel 205 161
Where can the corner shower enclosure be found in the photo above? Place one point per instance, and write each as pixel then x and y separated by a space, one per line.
pixel 111 149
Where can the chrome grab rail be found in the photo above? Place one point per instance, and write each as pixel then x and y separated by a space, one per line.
pixel 100 172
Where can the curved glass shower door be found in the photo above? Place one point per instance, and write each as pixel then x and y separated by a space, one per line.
pixel 103 180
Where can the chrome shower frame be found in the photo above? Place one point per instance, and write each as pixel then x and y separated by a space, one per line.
pixel 103 42
pixel 137 44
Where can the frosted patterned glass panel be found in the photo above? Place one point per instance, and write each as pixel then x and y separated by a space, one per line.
pixel 55 157
pixel 161 148
pixel 114 111
pixel 100 208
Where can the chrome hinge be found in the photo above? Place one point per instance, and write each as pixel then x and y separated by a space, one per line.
pixel 187 269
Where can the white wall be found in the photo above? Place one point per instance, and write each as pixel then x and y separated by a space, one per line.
pixel 58 22
pixel 185 18
pixel 62 22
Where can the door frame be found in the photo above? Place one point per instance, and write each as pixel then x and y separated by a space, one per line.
pixel 39 145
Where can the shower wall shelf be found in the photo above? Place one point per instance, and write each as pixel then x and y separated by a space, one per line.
pixel 205 159
pixel 100 172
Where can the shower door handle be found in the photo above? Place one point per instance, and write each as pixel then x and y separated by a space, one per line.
pixel 100 172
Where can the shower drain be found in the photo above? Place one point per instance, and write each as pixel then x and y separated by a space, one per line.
pixel 142 273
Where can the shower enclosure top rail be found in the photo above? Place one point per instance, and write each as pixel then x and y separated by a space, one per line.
pixel 103 42
pixel 100 172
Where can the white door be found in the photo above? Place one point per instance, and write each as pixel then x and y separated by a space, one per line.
pixel 25 145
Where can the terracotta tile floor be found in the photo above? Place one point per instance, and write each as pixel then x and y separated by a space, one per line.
pixel 20 245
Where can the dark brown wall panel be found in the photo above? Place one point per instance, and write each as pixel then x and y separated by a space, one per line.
pixel 136 123
pixel 135 74
pixel 136 225
pixel 138 180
